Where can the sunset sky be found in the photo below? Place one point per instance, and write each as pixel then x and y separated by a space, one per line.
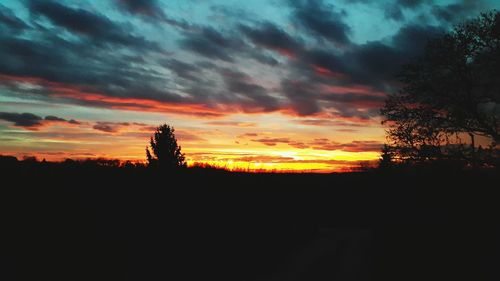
pixel 259 84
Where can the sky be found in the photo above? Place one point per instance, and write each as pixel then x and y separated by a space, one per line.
pixel 262 85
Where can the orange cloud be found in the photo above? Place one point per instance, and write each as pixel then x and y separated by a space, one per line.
pixel 354 89
pixel 326 72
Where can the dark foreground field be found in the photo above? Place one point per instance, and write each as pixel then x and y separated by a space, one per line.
pixel 80 223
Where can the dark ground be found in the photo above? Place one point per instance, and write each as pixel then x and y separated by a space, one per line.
pixel 83 223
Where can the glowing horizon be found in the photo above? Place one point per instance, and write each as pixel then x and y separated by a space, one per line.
pixel 229 144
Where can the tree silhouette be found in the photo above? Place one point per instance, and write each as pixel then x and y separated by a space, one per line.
pixel 166 154
pixel 386 158
pixel 450 93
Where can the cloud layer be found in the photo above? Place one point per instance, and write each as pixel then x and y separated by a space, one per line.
pixel 31 121
pixel 84 56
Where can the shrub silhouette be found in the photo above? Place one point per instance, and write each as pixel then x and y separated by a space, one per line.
pixel 165 153
pixel 450 93
pixel 386 158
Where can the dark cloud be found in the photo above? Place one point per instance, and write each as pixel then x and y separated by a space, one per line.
pixel 213 44
pixel 94 26
pixel 374 63
pixel 262 57
pixel 237 90
pixel 269 36
pixel 412 3
pixel 322 20
pixel 411 39
pixel 105 128
pixel 217 38
pixel 148 8
pixel 182 69
pixel 302 96
pixel 103 71
pixel 252 95
pixel 324 58
pixel 377 63
pixel 233 44
pixel 26 120
pixel 210 43
pixel 54 118
pixel 110 127
pixel 31 121
pixel 152 11
pixel 393 12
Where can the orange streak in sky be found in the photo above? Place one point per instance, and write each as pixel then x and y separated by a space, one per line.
pixel 356 89
pixel 326 72
pixel 134 104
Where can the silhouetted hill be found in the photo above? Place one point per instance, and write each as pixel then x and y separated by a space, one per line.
pixel 82 221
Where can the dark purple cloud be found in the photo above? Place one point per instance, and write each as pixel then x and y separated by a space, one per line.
pixel 269 36
pixel 251 94
pixel 31 121
pixel 54 118
pixel 96 27
pixel 323 20
pixel 110 127
pixel 27 120
pixel 142 7
pixel 303 97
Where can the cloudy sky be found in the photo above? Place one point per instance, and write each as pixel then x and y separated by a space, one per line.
pixel 272 84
